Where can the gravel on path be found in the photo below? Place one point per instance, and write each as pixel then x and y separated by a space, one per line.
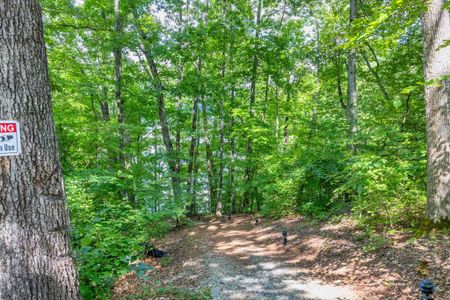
pixel 244 264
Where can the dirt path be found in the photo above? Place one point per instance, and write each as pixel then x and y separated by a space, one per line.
pixel 329 260
pixel 246 262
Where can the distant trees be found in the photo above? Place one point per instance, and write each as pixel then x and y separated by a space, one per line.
pixel 230 106
pixel 35 258
pixel 436 31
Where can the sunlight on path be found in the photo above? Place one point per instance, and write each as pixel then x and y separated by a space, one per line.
pixel 244 265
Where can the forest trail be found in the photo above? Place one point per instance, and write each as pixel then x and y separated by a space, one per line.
pixel 245 261
pixel 236 259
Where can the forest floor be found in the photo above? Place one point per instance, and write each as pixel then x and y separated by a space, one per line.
pixel 237 259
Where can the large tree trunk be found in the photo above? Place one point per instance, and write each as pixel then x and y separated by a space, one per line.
pixel 35 261
pixel 436 30
pixel 352 95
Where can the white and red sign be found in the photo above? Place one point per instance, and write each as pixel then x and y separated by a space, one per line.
pixel 9 138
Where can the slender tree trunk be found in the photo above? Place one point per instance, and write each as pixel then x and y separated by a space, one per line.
pixel 104 107
pixel 255 58
pixel 123 134
pixel 194 206
pixel 156 165
pixel 192 149
pixel 286 118
pixel 266 97
pixel 222 124
pixel 436 30
pixel 352 94
pixel 180 69
pixel 118 83
pixel 407 110
pixel 35 260
pixel 316 94
pixel 249 168
pixel 232 168
pixel 208 150
pixel 339 85
pixel 165 131
pixel 376 76
pixel 277 117
pixel 179 103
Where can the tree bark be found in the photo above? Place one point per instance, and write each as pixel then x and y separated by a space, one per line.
pixel 352 93
pixel 254 78
pixel 35 261
pixel 124 137
pixel 436 30
pixel 286 118
pixel 180 69
pixel 194 205
pixel 277 117
pixel 192 150
pixel 208 150
pixel 165 131
pixel 118 83
pixel 222 123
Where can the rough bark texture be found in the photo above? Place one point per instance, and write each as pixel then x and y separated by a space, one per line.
pixel 352 95
pixel 436 29
pixel 35 261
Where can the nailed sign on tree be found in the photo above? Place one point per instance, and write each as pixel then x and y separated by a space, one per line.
pixel 9 138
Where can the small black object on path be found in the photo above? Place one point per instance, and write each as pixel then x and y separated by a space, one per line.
pixel 427 289
pixel 151 251
pixel 284 233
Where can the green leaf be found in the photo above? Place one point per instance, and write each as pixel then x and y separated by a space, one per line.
pixel 409 89
pixel 397 102
pixel 86 241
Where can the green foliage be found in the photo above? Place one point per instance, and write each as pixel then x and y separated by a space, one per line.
pixel 173 293
pixel 375 243
pixel 107 233
pixel 286 153
pixel 141 270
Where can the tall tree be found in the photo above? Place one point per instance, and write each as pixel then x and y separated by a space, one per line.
pixel 35 260
pixel 118 82
pixel 165 130
pixel 352 94
pixel 222 121
pixel 436 31
pixel 249 170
